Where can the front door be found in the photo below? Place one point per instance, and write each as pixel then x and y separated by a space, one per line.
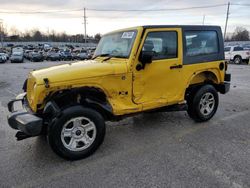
pixel 158 83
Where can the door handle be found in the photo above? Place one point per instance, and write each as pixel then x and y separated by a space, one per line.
pixel 176 67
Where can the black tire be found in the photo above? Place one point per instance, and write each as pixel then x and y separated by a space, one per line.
pixel 194 99
pixel 237 60
pixel 56 127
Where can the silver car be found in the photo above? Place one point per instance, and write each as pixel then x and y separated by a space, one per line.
pixel 16 57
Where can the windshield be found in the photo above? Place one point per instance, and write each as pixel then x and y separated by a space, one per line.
pixel 116 44
pixel 17 54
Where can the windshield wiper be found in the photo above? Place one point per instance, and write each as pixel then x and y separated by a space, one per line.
pixel 100 55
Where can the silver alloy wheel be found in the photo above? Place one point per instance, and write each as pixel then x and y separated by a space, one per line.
pixel 207 104
pixel 78 134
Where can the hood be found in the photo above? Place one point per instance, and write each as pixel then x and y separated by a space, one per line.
pixel 78 70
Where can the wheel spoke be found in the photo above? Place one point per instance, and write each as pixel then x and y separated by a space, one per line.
pixel 67 133
pixel 202 109
pixel 85 139
pixel 208 109
pixel 72 143
pixel 210 103
pixel 88 127
pixel 206 97
pixel 211 100
pixel 76 123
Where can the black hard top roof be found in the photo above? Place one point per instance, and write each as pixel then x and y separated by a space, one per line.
pixel 200 27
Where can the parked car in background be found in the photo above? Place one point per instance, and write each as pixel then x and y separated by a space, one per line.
pixel 18 49
pixel 82 55
pixel 27 53
pixel 3 58
pixel 236 54
pixel 246 47
pixel 47 47
pixel 91 53
pixel 66 56
pixel 53 56
pixel 16 57
pixel 74 54
pixel 36 56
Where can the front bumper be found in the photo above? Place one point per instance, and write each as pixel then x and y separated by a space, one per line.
pixel 16 60
pixel 37 59
pixel 21 118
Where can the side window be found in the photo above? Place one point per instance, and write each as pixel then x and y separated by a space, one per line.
pixel 238 48
pixel 163 44
pixel 201 43
pixel 227 49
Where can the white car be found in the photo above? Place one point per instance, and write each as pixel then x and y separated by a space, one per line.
pixel 4 55
pixel 236 54
pixel 3 59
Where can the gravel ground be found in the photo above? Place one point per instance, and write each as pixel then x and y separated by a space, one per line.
pixel 148 150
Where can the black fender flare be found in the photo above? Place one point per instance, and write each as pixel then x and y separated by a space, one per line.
pixel 52 110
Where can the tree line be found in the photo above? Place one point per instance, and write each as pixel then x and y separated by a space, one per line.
pixel 239 34
pixel 36 35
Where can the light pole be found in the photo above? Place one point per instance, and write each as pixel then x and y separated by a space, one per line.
pixel 225 30
pixel 85 27
pixel 203 21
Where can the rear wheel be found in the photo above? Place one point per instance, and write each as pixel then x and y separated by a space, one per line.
pixel 77 133
pixel 202 103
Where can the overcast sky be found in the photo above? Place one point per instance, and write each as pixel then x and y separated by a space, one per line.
pixel 102 22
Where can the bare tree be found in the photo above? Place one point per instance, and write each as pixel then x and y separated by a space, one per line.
pixel 97 37
pixel 240 34
pixel 37 35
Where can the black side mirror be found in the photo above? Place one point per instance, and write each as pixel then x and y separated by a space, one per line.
pixel 145 58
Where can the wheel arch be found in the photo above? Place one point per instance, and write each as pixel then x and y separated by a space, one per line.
pixel 200 78
pixel 237 55
pixel 206 76
pixel 91 97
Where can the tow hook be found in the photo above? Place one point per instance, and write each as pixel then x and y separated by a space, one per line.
pixel 21 136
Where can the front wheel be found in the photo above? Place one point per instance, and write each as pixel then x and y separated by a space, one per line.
pixel 202 103
pixel 77 133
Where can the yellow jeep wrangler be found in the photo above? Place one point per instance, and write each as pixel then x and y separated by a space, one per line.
pixel 146 68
